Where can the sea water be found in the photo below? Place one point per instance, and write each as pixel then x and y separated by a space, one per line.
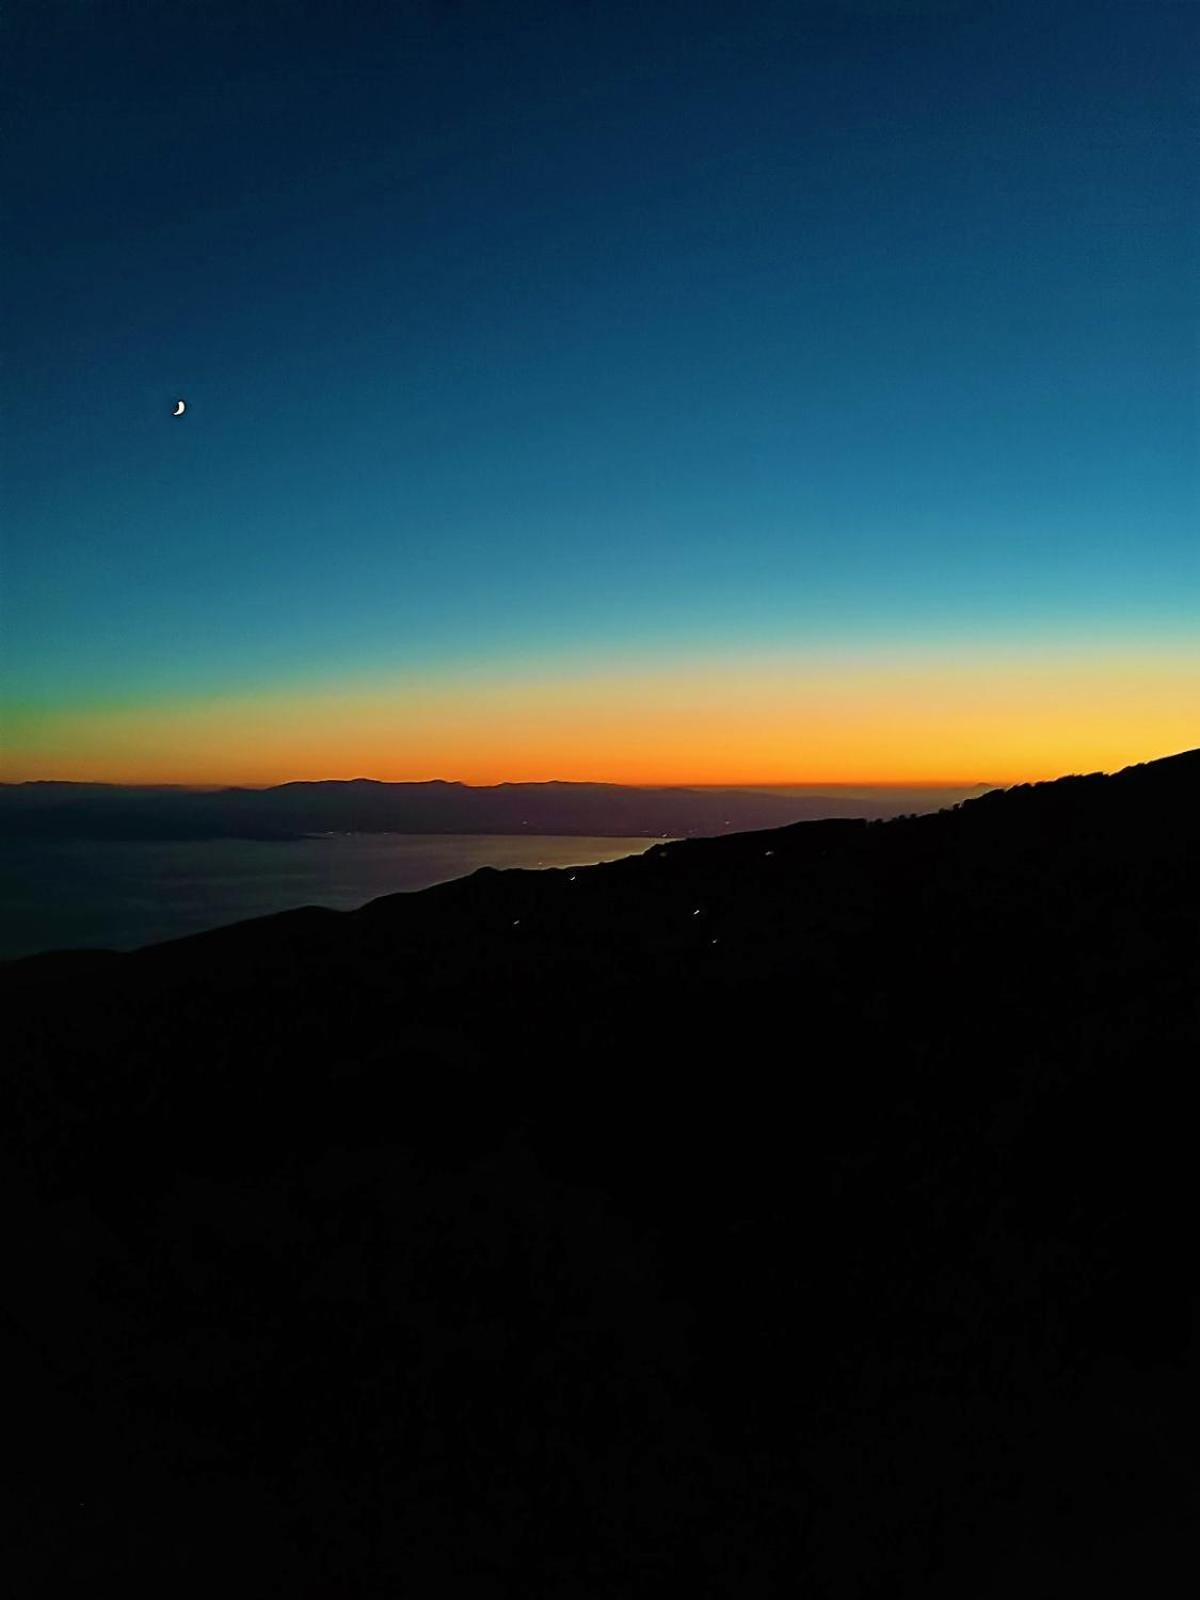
pixel 81 894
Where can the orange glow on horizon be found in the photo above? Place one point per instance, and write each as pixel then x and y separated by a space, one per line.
pixel 1020 717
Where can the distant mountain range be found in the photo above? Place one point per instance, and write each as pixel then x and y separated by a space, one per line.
pixel 797 1212
pixel 361 805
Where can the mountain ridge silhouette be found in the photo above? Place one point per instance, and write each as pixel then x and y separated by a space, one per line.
pixel 792 1210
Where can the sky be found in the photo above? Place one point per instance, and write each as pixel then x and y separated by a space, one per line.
pixel 628 392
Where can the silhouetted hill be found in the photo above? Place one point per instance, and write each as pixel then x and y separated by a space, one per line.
pixel 791 1212
pixel 38 811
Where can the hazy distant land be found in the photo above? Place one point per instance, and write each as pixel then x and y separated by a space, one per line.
pixel 361 805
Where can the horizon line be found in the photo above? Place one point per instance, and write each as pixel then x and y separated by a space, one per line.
pixel 613 783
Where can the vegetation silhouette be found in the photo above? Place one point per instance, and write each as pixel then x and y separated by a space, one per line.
pixel 536 1235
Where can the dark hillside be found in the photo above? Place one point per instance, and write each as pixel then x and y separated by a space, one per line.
pixel 790 1212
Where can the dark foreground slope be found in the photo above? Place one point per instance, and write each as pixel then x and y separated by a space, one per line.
pixel 785 1213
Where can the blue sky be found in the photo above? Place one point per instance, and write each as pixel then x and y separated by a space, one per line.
pixel 515 330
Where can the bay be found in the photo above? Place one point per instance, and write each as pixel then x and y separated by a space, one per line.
pixel 79 894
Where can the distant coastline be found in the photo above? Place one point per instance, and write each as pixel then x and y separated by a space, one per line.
pixel 49 810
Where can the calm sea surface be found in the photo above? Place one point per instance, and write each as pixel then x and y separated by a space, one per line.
pixel 73 895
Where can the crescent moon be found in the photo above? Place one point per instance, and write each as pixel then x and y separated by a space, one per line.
pixel 180 408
